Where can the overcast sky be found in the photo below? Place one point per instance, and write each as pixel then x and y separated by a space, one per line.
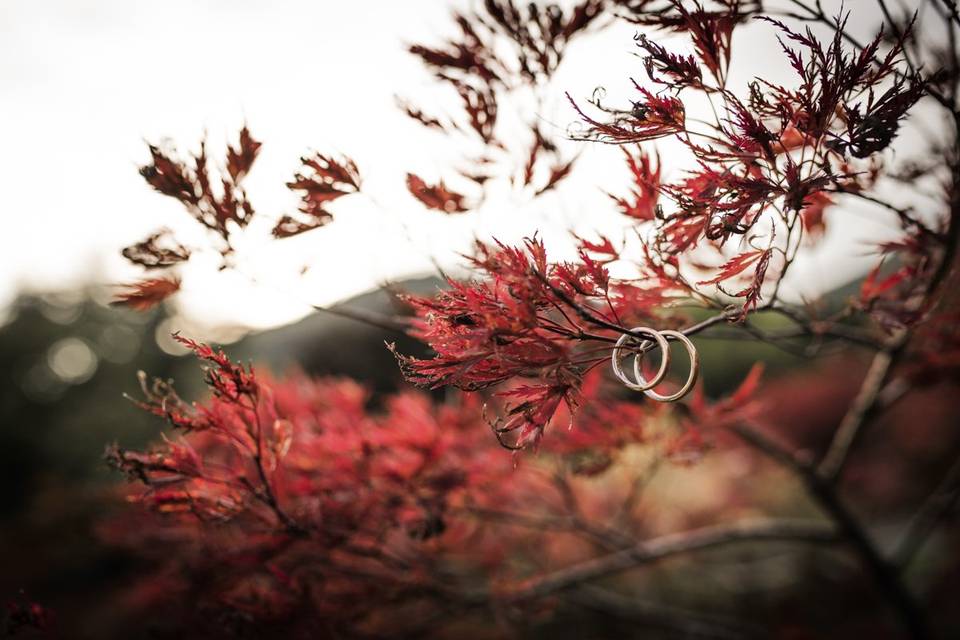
pixel 83 83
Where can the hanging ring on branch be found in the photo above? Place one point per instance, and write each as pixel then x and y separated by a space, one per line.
pixel 691 377
pixel 642 384
pixel 617 356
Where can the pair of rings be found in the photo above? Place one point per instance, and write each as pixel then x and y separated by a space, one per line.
pixel 659 338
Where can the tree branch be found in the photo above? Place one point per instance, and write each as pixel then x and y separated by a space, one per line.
pixel 863 408
pixel 656 549
pixel 691 624
pixel 936 507
pixel 824 492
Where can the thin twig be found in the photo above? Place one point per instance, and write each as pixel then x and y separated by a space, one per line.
pixel 266 494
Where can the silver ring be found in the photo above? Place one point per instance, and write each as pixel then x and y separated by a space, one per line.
pixel 691 378
pixel 615 358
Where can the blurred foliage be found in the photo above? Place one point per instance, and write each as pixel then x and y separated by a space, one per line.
pixel 68 360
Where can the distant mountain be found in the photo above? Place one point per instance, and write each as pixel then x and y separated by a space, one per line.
pixel 323 343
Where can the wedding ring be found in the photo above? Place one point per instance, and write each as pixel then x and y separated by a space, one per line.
pixel 647 388
pixel 616 358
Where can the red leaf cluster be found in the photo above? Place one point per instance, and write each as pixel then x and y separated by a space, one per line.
pixel 322 180
pixel 303 456
pixel 227 211
pixel 531 319
pixel 831 82
pixel 650 118
pixel 710 32
pixel 302 500
pixel 667 68
pixel 501 47
pixel 223 210
pixel 189 181
pixel 776 157
pixel 271 481
pixel 537 35
pixel 765 172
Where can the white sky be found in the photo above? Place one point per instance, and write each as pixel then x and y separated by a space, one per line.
pixel 84 82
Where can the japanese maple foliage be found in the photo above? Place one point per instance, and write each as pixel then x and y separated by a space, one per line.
pixel 307 488
pixel 326 507
pixel 311 505
pixel 531 318
pixel 764 172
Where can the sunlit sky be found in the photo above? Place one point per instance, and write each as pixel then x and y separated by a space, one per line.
pixel 84 83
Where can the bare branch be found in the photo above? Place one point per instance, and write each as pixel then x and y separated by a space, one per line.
pixel 863 408
pixel 692 624
pixel 937 506
pixel 885 575
pixel 656 549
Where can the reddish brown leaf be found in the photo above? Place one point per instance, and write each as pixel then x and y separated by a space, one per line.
pixel 874 286
pixel 158 251
pixel 435 197
pixel 735 266
pixel 603 248
pixel 752 293
pixel 676 70
pixel 420 116
pixel 811 215
pixel 288 226
pixel 748 387
pixel 323 179
pixel 646 189
pixel 530 411
pixel 532 159
pixel 148 293
pixel 557 173
pixel 240 160
pixel 481 107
